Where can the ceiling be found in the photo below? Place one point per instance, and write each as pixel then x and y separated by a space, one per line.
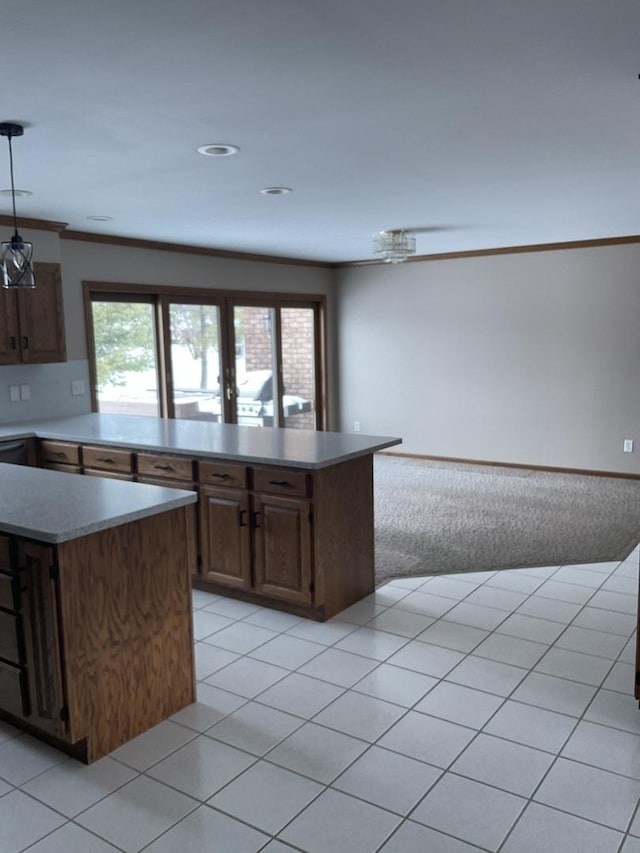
pixel 484 124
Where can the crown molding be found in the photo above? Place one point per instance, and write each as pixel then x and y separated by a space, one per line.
pixel 37 224
pixel 62 229
pixel 506 250
pixel 158 245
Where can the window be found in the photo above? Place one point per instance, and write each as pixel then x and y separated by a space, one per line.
pixel 208 355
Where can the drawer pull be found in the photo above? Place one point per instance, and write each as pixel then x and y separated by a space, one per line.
pixel 12 342
pixel 279 483
pixel 163 467
pixel 25 342
pixel 220 476
pixel 255 517
pixel 105 459
pixel 60 454
pixel 241 518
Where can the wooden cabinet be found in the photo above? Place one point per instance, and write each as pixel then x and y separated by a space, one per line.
pixel 256 541
pixel 96 645
pixel 108 462
pixel 59 456
pixel 30 663
pixel 32 320
pixel 225 543
pixel 282 556
pixel 285 537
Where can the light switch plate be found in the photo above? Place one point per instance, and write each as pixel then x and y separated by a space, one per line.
pixel 14 393
pixel 77 387
pixel 25 392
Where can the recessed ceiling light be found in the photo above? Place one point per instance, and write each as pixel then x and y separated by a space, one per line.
pixel 100 218
pixel 218 149
pixel 17 192
pixel 276 190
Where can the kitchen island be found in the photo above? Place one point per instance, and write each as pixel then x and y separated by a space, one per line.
pixel 285 516
pixel 96 641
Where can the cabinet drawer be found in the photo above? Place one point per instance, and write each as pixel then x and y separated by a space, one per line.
pixel 108 475
pixel 68 469
pixel 108 459
pixel 170 467
pixel 167 483
pixel 223 474
pixel 281 481
pixel 9 592
pixel 11 646
pixel 13 690
pixel 60 452
pixel 5 554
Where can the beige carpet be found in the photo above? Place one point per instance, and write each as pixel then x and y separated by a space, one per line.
pixel 439 517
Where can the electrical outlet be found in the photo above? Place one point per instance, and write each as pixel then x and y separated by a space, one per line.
pixel 25 392
pixel 77 388
pixel 628 445
pixel 356 426
pixel 14 393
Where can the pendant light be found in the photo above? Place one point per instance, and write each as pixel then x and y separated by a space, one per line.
pixel 394 246
pixel 16 254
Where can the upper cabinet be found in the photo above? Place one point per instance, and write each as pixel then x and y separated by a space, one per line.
pixel 32 330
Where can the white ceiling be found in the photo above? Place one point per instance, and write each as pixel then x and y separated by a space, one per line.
pixel 495 123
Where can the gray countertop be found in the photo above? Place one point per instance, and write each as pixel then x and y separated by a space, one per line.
pixel 53 507
pixel 266 445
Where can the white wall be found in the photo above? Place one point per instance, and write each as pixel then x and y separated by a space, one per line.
pixel 82 261
pixel 527 358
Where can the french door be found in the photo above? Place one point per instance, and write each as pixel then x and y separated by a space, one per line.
pixel 255 360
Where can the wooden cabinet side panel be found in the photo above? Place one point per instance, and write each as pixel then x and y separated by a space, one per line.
pixel 41 317
pixel 127 630
pixel 343 534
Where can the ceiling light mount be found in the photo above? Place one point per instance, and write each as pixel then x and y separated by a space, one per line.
pixel 218 149
pixel 276 190
pixel 16 255
pixel 394 246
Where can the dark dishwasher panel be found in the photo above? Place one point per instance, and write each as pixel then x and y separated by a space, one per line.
pixel 14 452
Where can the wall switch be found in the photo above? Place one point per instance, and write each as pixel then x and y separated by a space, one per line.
pixel 628 445
pixel 77 388
pixel 25 392
pixel 14 393
pixel 356 426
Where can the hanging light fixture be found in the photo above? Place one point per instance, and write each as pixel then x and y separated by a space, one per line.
pixel 16 254
pixel 394 246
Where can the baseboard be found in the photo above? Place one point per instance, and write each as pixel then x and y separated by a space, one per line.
pixel 550 468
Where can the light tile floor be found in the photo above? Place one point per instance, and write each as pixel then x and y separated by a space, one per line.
pixel 478 712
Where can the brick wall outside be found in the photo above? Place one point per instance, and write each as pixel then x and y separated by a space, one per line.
pixel 297 354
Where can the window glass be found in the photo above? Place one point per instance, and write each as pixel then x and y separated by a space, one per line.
pixel 125 354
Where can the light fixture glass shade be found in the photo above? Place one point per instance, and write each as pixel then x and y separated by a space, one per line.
pixel 17 268
pixel 395 246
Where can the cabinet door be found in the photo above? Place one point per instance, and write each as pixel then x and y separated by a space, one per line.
pixel 224 531
pixel 9 341
pixel 39 612
pixel 41 318
pixel 282 536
